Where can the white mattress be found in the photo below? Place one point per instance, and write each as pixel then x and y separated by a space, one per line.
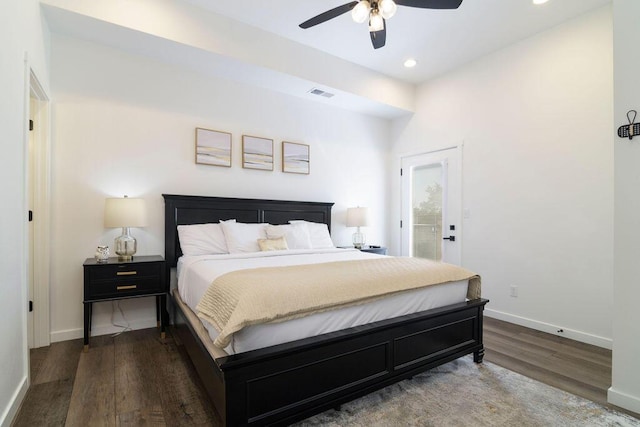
pixel 196 273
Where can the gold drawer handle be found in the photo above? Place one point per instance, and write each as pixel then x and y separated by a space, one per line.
pixel 126 287
pixel 126 273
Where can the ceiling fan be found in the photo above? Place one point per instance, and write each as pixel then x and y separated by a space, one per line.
pixel 377 11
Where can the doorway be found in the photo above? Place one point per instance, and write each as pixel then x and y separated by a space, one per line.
pixel 431 205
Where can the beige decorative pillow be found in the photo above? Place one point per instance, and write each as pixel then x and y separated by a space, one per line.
pixel 278 244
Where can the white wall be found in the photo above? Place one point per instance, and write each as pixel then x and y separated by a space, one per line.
pixel 125 125
pixel 21 31
pixel 184 33
pixel 625 388
pixel 536 121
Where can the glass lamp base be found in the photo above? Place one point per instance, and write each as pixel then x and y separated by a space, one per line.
pixel 125 245
pixel 358 240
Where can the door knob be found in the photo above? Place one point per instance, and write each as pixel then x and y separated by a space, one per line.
pixel 451 238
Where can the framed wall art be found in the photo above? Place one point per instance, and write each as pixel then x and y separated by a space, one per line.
pixel 213 147
pixel 295 157
pixel 257 153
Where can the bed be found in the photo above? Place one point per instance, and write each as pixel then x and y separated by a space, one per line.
pixel 283 383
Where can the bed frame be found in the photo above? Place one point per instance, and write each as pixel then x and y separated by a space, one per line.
pixel 292 381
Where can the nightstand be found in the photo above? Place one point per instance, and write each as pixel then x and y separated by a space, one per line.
pixel 380 250
pixel 114 280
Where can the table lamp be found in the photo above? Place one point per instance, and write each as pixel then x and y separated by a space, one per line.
pixel 125 212
pixel 358 217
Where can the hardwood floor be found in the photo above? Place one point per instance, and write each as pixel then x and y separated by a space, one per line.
pixel 131 380
pixel 578 368
pixel 137 379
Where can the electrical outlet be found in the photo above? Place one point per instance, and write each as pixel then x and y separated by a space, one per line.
pixel 513 291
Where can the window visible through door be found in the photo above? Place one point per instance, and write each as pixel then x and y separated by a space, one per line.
pixel 426 211
pixel 431 204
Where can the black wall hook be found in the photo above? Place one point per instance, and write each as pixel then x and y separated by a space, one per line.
pixel 632 129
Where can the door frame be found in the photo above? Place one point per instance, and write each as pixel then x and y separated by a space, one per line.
pixel 41 187
pixel 459 177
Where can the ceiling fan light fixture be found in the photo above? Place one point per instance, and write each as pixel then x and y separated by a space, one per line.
pixel 360 12
pixel 377 12
pixel 387 8
pixel 375 22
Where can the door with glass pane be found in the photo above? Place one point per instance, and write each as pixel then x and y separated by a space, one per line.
pixel 431 200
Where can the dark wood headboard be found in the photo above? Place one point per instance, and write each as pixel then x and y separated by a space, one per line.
pixel 183 210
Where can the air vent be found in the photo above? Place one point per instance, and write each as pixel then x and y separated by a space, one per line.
pixel 320 92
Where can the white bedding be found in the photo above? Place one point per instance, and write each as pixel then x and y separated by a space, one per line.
pixel 196 273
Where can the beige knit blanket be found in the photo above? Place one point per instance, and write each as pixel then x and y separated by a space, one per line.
pixel 273 294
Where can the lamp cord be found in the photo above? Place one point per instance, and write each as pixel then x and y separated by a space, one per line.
pixel 126 327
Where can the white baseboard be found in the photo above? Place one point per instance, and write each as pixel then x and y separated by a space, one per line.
pixel 97 330
pixel 552 329
pixel 623 400
pixel 14 404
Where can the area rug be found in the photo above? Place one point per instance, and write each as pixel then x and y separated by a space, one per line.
pixel 462 393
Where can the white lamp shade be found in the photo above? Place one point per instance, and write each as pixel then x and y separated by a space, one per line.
pixel 124 212
pixel 387 8
pixel 360 12
pixel 357 217
pixel 376 23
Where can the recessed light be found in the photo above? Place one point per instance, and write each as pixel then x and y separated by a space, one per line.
pixel 540 1
pixel 410 63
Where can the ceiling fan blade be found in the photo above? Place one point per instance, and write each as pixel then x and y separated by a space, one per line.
pixel 329 14
pixel 379 38
pixel 430 4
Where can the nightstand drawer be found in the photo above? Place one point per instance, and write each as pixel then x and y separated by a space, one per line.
pixel 125 271
pixel 122 288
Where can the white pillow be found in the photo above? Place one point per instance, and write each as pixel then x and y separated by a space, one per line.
pixel 243 237
pixel 319 234
pixel 296 235
pixel 202 239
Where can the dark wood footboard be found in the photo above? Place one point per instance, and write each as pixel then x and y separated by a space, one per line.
pixel 289 382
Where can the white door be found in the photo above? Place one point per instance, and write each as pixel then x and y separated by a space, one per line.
pixel 431 205
pixel 37 167
pixel 30 195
